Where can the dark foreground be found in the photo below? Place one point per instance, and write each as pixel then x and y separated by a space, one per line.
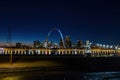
pixel 75 63
pixel 72 68
pixel 72 63
pixel 38 75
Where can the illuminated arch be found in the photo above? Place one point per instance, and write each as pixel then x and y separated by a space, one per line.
pixel 60 33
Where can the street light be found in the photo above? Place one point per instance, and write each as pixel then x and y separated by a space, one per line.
pixel 104 46
pixel 107 46
pixel 116 47
pixel 111 47
pixel 98 44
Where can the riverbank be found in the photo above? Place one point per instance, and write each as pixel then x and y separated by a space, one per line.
pixel 67 63
pixel 29 64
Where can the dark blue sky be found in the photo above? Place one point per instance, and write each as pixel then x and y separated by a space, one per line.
pixel 98 21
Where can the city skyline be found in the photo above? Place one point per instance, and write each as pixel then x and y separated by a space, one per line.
pixel 52 38
pixel 97 21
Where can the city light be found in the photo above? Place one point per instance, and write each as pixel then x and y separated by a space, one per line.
pixel 104 45
pixel 100 45
pixel 111 46
pixel 1 49
pixel 107 46
pixel 116 47
pixel 63 47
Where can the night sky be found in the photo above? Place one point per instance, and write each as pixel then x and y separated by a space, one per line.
pixel 97 21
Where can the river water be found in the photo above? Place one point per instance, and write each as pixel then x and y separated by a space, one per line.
pixel 37 75
pixel 73 68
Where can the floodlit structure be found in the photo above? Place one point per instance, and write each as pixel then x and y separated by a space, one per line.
pixel 64 48
pixel 49 33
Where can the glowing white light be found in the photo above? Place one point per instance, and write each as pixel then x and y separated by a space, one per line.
pixel 38 52
pixel 88 51
pixel 56 44
pixel 1 48
pixel 107 46
pixel 90 43
pixel 75 52
pixel 111 46
pixel 116 47
pixel 46 52
pixel 104 46
pixel 51 47
pixel 100 45
pixel 25 53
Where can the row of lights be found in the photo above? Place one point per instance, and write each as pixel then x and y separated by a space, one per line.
pixel 38 53
pixel 107 46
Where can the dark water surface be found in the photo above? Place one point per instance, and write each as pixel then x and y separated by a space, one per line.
pixel 73 68
pixel 37 75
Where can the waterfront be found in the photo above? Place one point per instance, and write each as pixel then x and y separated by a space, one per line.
pixel 29 67
pixel 72 63
pixel 38 75
pixel 59 40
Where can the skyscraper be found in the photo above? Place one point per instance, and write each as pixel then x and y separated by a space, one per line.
pixel 61 44
pixel 79 44
pixel 18 45
pixel 50 44
pixel 36 44
pixel 67 42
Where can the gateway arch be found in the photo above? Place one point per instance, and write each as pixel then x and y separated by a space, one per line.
pixel 49 33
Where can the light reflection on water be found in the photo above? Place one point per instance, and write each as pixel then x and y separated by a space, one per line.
pixel 64 76
pixel 12 78
pixel 103 76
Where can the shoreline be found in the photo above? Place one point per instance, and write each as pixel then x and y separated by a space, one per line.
pixel 63 63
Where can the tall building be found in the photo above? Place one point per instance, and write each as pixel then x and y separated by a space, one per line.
pixel 68 42
pixel 61 44
pixel 18 45
pixel 88 44
pixel 55 45
pixel 41 45
pixel 49 44
pixel 36 44
pixel 79 44
pixel 73 45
